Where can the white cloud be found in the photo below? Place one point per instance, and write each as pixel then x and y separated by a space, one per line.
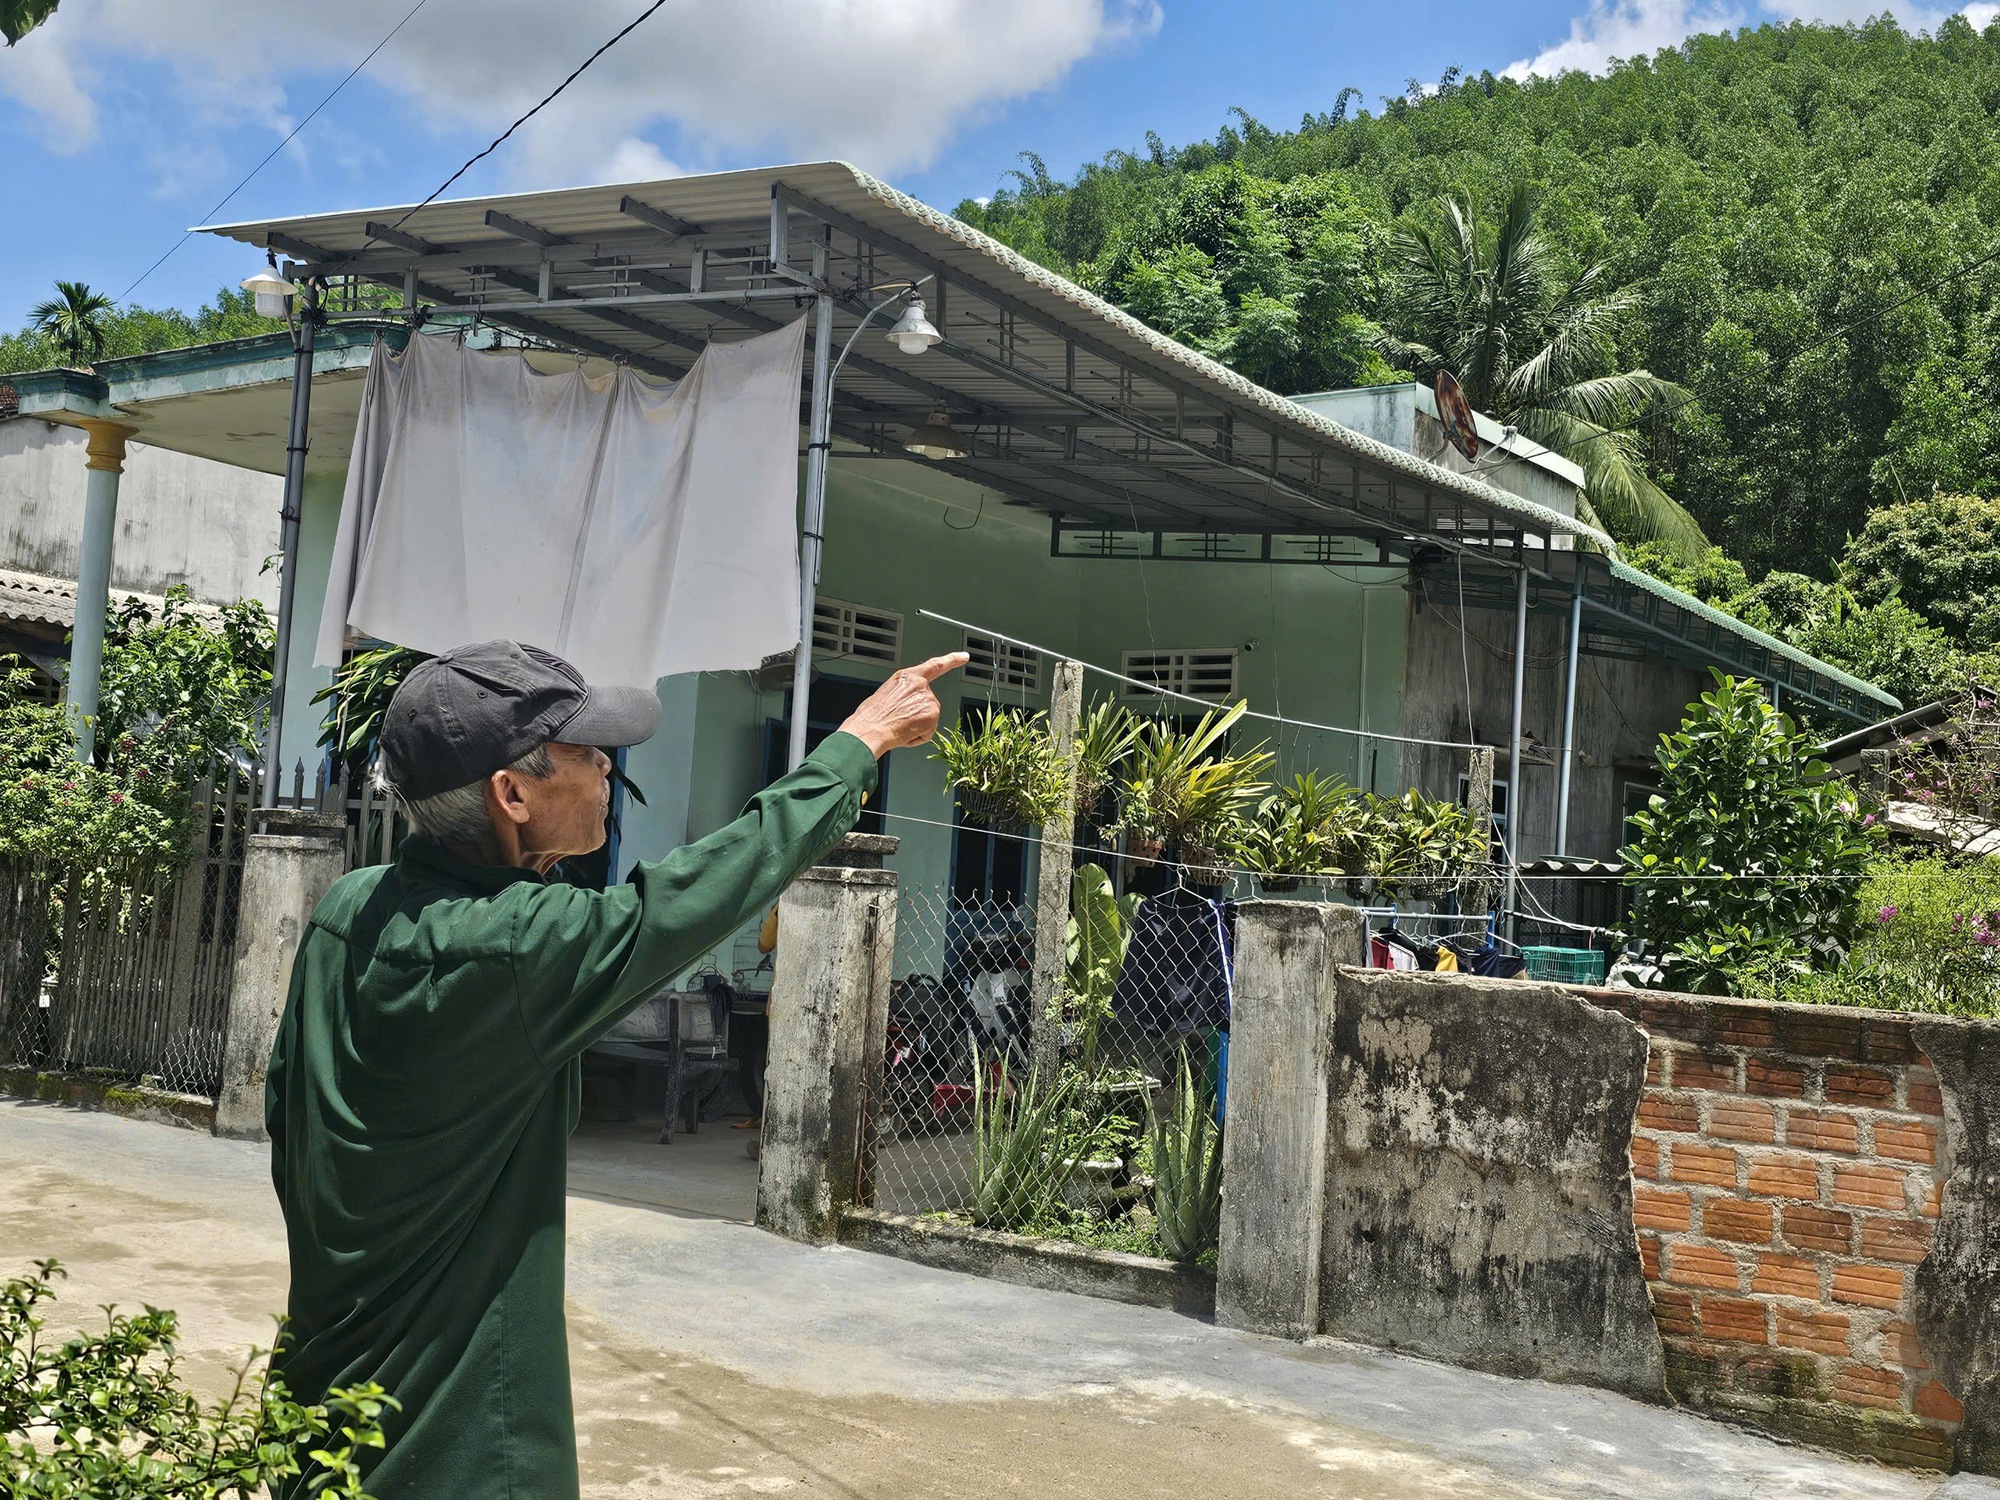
pixel 884 82
pixel 1638 28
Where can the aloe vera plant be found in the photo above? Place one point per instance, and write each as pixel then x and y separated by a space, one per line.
pixel 1025 1150
pixel 1187 1172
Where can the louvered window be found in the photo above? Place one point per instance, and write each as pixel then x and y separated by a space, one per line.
pixel 841 629
pixel 1208 675
pixel 1002 663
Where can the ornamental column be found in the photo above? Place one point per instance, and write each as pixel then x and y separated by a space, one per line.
pixel 106 462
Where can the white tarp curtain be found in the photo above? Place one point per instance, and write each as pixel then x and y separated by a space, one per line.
pixel 639 530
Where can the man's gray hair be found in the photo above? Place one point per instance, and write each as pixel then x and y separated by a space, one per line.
pixel 458 818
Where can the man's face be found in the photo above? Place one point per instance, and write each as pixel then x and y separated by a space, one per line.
pixel 566 808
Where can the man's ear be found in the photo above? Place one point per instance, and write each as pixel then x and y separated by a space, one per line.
pixel 504 799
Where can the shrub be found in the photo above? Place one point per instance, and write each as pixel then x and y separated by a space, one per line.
pixel 1751 837
pixel 1929 941
pixel 1187 1171
pixel 106 1414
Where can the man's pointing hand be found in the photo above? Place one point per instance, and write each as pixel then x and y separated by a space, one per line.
pixel 904 710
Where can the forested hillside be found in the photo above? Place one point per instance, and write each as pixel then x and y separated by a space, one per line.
pixel 1802 219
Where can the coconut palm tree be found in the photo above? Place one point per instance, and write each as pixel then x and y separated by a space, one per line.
pixel 1537 354
pixel 74 319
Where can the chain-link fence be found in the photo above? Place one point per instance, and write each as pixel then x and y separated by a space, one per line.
pixel 1036 1116
pixel 126 972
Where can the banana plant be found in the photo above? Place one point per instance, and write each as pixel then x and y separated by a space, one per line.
pixel 1100 928
pixel 1187 1171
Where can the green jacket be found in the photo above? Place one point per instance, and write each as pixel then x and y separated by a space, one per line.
pixel 423 1086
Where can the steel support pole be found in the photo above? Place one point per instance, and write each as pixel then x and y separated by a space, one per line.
pixel 1516 804
pixel 307 309
pixel 818 427
pixel 1569 716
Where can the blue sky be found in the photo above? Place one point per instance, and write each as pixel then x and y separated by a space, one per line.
pixel 125 120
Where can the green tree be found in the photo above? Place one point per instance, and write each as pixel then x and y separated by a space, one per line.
pixel 19 17
pixel 74 320
pixel 132 329
pixel 1537 350
pixel 1941 557
pixel 1751 855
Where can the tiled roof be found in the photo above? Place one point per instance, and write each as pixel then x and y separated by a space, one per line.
pixel 36 598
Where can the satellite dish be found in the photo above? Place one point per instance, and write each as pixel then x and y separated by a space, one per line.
pixel 774 673
pixel 1455 415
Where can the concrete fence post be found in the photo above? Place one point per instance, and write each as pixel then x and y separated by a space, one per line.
pixel 829 1013
pixel 286 870
pixel 1288 957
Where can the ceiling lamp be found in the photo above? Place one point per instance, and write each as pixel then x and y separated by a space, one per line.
pixel 913 333
pixel 937 439
pixel 272 291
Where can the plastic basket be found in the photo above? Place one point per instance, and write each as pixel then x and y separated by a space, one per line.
pixel 1565 965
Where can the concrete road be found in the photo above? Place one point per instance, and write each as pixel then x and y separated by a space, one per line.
pixel 712 1360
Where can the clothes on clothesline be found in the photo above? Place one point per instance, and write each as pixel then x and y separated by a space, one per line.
pixel 1178 971
pixel 1392 948
pixel 638 530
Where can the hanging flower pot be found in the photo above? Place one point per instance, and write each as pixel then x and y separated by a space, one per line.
pixel 1006 772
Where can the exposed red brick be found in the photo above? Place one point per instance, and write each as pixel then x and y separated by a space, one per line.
pixel 1742 1120
pixel 1657 1061
pixel 1848 1084
pixel 1902 1346
pixel 1773 1078
pixel 1714 1071
pixel 1822 1130
pixel 1933 1200
pixel 1660 1208
pixel 1907 1140
pixel 1824 1036
pixel 1891 1042
pixel 1868 1286
pixel 1776 1174
pixel 1649 1256
pixel 1738 1319
pixel 1786 1276
pixel 1743 1025
pixel 1812 1332
pixel 1741 1219
pixel 1858 1385
pixel 1921 1093
pixel 1905 1240
pixel 1676 1018
pixel 1657 1112
pixel 1870 1187
pixel 1711 1166
pixel 1937 1403
pixel 1645 1159
pixel 1673 1311
pixel 1804 1227
pixel 1693 1264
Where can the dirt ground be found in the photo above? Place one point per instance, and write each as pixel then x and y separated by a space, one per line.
pixel 711 1360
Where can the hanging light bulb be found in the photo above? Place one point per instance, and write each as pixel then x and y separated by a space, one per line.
pixel 272 292
pixel 937 438
pixel 913 333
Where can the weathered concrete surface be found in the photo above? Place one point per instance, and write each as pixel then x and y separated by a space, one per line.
pixel 829 1007
pixel 713 1360
pixel 1288 957
pixel 1052 1265
pixel 134 1101
pixel 285 873
pixel 1478 1190
pixel 1958 1281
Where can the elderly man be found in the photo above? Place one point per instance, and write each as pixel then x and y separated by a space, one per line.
pixel 426 1075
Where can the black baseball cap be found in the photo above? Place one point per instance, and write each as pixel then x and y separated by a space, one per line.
pixel 461 716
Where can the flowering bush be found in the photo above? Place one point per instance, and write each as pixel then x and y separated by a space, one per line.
pixel 1930 941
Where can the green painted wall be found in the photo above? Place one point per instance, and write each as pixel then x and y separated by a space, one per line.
pixel 319 518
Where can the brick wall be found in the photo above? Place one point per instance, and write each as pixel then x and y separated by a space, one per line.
pixel 1785 1163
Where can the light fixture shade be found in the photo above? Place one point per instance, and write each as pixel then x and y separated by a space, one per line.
pixel 937 439
pixel 913 333
pixel 272 292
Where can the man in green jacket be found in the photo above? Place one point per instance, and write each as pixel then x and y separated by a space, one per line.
pixel 427 1072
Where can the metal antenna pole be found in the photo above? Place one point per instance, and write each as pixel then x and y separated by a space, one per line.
pixel 1569 714
pixel 288 535
pixel 1515 804
pixel 818 439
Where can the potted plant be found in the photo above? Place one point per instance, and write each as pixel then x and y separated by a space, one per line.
pixel 1180 791
pixel 1299 833
pixel 1426 846
pixel 1007 772
pixel 1104 742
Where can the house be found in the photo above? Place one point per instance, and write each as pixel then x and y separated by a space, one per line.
pixel 1119 499
pixel 182 520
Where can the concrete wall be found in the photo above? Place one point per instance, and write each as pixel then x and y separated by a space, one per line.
pixel 181 520
pixel 1622 708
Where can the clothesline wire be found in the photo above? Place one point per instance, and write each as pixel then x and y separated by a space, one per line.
pixel 1206 703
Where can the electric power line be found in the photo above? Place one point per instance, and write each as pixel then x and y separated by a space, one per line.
pixel 277 148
